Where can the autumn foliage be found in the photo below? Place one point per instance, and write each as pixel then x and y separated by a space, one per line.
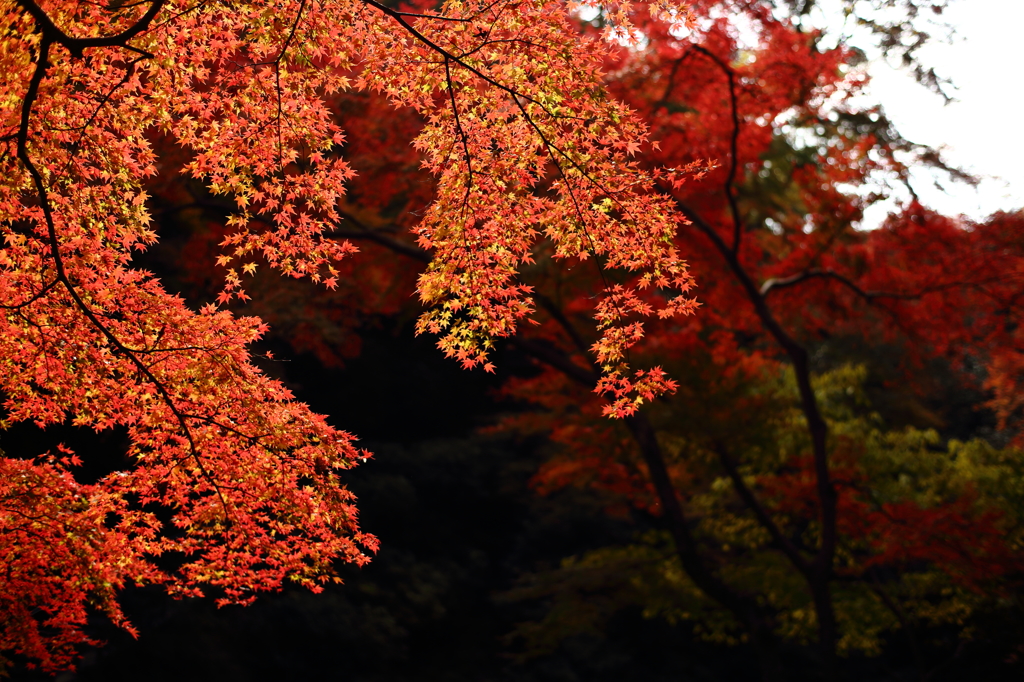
pixel 515 164
pixel 234 483
pixel 793 506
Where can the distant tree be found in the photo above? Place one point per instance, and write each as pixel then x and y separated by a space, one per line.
pixel 803 474
pixel 793 511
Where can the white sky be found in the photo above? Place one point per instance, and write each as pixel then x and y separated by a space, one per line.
pixel 983 131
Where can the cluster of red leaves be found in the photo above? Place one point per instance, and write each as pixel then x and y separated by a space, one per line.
pixel 964 536
pixel 504 129
pixel 932 285
pixel 53 529
pixel 952 288
pixel 230 472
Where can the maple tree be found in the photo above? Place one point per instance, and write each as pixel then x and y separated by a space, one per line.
pixel 234 485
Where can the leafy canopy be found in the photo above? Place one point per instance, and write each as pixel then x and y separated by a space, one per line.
pixel 234 485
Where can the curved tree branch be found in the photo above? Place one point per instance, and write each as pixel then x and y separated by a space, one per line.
pixel 822 565
pixel 764 518
pixel 730 179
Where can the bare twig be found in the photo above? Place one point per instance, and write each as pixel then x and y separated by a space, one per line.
pixel 730 179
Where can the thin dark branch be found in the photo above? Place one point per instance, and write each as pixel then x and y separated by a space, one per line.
pixel 799 358
pixel 554 151
pixel 35 297
pixel 362 231
pixel 128 73
pixel 756 617
pixel 763 517
pixel 670 85
pixel 775 283
pixel 554 357
pixel 461 130
pixel 730 179
pixel 822 567
pixel 436 17
pixel 403 248
pixel 744 606
pixel 517 98
pixel 277 79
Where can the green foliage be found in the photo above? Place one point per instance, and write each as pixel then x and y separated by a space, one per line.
pixel 888 478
